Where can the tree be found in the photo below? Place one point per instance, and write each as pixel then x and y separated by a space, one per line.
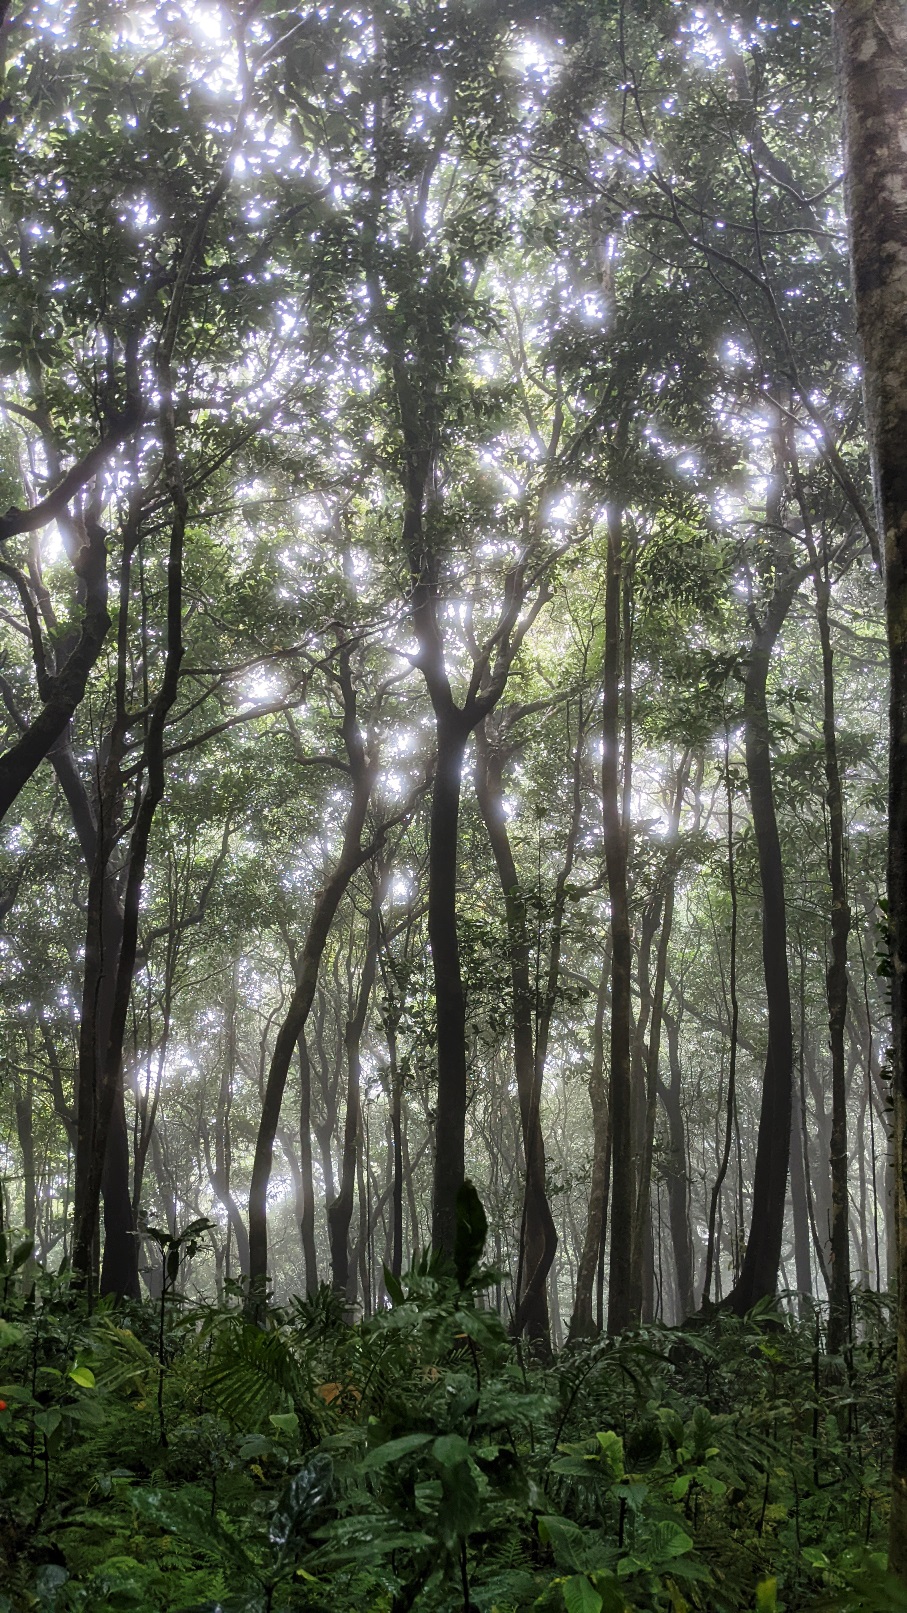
pixel 872 43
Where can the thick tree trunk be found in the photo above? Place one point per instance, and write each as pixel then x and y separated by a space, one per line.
pixel 872 41
pixel 450 1003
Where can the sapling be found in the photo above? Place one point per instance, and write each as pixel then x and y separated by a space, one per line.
pixel 173 1247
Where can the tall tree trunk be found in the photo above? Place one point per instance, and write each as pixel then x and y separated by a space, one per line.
pixel 836 977
pixel 352 856
pixel 759 1272
pixel 872 42
pixel 623 1185
pixel 103 1066
pixel 800 1204
pixel 307 1205
pixel 677 1173
pixel 643 1238
pixel 450 1002
pixel 538 1232
pixel 340 1212
pixel 583 1323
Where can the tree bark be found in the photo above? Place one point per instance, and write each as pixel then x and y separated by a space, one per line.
pixel 583 1323
pixel 623 1173
pixel 340 1211
pixel 677 1174
pixel 872 43
pixel 538 1232
pixel 352 856
pixel 61 691
pixel 759 1272
pixel 450 1004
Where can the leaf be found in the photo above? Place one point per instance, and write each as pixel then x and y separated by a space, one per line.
pixel 449 1449
pixel 392 1450
pixel 580 1595
pixel 459 1512
pixel 195 1227
pixel 612 1450
pixel 21 1253
pixel 286 1421
pixel 767 1596
pixel 47 1422
pixel 300 1501
pixel 669 1540
pixel 393 1287
pixel 471 1232
pixel 83 1376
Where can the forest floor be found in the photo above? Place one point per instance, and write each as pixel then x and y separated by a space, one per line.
pixel 176 1457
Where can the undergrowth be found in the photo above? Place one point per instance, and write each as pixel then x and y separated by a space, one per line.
pixel 179 1458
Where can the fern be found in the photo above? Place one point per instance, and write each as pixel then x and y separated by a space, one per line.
pixel 252 1374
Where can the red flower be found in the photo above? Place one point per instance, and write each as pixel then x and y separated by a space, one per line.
pixel 2 1405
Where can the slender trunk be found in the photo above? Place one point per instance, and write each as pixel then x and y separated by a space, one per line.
pixel 538 1232
pixel 734 1006
pixel 307 1205
pixel 836 986
pixel 677 1174
pixel 582 1321
pixel 340 1212
pixel 450 1002
pixel 327 901
pixel 800 1205
pixel 396 1265
pixel 623 1188
pixel 25 1132
pixel 643 1237
pixel 759 1272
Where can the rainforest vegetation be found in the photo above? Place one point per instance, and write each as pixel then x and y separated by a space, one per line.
pixel 453 806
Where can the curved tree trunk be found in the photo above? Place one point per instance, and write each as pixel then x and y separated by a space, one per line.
pixel 352 856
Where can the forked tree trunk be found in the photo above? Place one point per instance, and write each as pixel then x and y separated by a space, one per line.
pixel 872 42
pixel 327 901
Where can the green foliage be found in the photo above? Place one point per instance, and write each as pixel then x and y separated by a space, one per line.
pixel 416 1460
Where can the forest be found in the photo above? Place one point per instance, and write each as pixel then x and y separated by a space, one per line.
pixel 453 806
